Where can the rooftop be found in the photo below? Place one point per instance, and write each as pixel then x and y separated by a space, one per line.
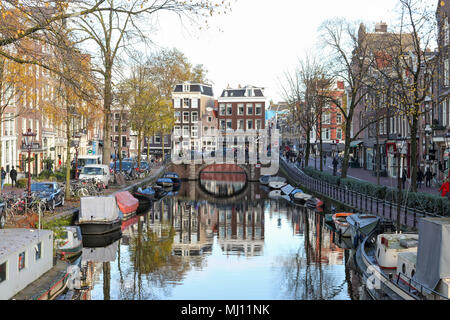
pixel 13 240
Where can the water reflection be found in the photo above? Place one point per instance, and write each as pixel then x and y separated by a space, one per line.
pixel 223 184
pixel 198 249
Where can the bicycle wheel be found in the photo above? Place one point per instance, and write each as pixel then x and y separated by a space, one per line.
pixel 83 192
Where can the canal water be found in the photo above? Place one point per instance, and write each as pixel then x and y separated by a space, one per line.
pixel 205 245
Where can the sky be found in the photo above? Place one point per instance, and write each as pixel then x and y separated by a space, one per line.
pixel 261 39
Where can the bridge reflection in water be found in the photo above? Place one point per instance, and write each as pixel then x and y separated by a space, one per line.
pixel 195 246
pixel 223 180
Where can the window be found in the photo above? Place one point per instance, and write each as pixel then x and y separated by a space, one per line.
pixel 177 131
pixel 177 117
pixel 229 109
pixel 222 124
pixel 326 133
pixel 209 119
pixel 229 124
pixel 249 92
pixel 194 103
pixel 177 103
pixel 205 129
pixel 338 118
pixel 446 72
pixel 446 32
pixel 249 109
pixel 240 111
pixel 116 128
pixel 124 141
pixel 339 133
pixel 194 131
pixel 117 116
pixel 186 88
pixel 186 103
pixel 249 124
pixel 2 272
pixel 258 124
pixel 38 251
pixel 222 109
pixel 186 131
pixel 325 118
pixel 258 109
pixel 185 116
pixel 194 116
pixel 240 125
pixel 444 113
pixel 21 261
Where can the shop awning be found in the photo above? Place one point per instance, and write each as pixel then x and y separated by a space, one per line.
pixel 355 143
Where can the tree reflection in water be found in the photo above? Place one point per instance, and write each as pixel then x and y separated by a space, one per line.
pixel 305 273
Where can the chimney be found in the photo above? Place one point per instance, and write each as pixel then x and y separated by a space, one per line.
pixel 381 27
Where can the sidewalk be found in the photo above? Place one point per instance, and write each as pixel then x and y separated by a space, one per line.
pixel 366 175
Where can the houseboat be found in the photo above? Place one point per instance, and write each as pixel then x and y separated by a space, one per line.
pixel 71 243
pixel 26 265
pixel 99 215
pixel 341 224
pixel 408 266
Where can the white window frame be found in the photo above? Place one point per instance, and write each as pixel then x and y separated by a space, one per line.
pixel 194 103
pixel 186 114
pixel 240 124
pixel 229 108
pixel 258 105
pixel 251 126
pixel 194 116
pixel 229 124
pixel 222 109
pixel 249 106
pixel 194 131
pixel 240 107
pixel 177 103
pixel 186 131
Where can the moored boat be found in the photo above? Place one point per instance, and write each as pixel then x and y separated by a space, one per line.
pixel 99 215
pixel 165 182
pixel 264 180
pixel 341 224
pixel 174 177
pixel 314 203
pixel 277 182
pixel 275 194
pixel 361 224
pixel 71 243
pixel 299 197
pixel 287 189
pixel 127 204
pixel 145 196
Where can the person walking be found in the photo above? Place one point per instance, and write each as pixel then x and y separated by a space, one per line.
pixel 445 188
pixel 3 173
pixel 335 164
pixel 13 175
pixel 419 178
pixel 404 174
pixel 428 177
pixel 324 159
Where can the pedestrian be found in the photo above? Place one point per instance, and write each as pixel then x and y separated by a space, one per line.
pixel 404 174
pixel 13 175
pixel 324 159
pixel 419 178
pixel 3 177
pixel 335 164
pixel 428 177
pixel 445 188
pixel 299 160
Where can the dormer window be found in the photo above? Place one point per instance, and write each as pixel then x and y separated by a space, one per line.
pixel 186 88
pixel 249 92
pixel 226 94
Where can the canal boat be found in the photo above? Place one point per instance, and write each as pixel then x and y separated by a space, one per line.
pixel 408 266
pixel 287 189
pixel 174 177
pixel 102 240
pixel 264 180
pixel 99 215
pixel 71 244
pixel 165 182
pixel 315 203
pixel 277 182
pixel 275 194
pixel 361 224
pixel 145 195
pixel 127 204
pixel 27 270
pixel 341 224
pixel 299 197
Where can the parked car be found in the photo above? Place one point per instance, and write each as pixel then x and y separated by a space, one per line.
pixel 99 172
pixel 128 167
pixel 51 192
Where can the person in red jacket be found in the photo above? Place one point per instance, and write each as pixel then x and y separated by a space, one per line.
pixel 445 188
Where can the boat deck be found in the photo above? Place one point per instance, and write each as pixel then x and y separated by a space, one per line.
pixel 43 283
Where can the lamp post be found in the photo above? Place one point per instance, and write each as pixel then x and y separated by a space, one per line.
pixel 76 144
pixel 399 180
pixel 28 137
pixel 128 146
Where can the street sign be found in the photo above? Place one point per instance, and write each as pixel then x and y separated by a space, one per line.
pixel 89 151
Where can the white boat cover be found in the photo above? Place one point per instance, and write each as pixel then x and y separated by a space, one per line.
pixel 433 253
pixel 287 189
pixel 277 179
pixel 106 254
pixel 98 209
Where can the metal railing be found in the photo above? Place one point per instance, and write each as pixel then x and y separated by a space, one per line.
pixel 357 200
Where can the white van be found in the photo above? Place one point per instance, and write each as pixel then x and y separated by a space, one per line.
pixel 96 171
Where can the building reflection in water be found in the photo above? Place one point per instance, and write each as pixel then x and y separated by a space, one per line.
pixel 160 249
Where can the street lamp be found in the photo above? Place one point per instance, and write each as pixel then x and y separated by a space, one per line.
pixel 28 139
pixel 399 150
pixel 76 144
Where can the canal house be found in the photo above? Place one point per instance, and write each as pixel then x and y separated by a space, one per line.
pixel 25 255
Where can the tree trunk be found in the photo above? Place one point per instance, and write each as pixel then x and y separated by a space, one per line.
pixel 308 147
pixel 139 141
pixel 68 137
pixel 378 153
pixel 162 144
pixel 148 149
pixel 344 167
pixel 120 146
pixel 413 155
pixel 107 101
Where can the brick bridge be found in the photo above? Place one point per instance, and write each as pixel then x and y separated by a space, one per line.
pixel 192 171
